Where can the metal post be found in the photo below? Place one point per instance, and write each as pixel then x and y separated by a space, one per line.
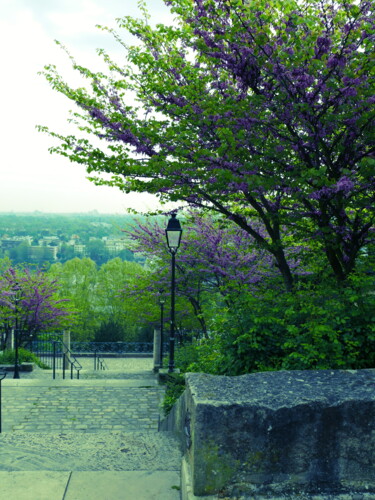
pixel 173 233
pixel 16 366
pixel 161 332
pixel 54 359
pixel 16 332
pixel 2 376
pixel 66 347
pixel 172 329
pixel 63 366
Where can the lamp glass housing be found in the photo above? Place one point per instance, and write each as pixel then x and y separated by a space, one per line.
pixel 173 233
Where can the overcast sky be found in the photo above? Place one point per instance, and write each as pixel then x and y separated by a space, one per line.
pixel 31 178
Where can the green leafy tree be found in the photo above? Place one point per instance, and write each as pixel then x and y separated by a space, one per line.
pixel 97 251
pixel 109 331
pixel 115 302
pixel 20 253
pixel 78 282
pixel 262 111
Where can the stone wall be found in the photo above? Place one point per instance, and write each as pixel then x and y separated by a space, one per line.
pixel 278 433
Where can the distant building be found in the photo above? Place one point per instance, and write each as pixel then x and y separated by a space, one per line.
pixel 48 240
pixel 13 242
pixel 115 245
pixel 80 250
pixel 42 252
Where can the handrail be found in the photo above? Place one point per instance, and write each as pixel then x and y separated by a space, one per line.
pixel 61 351
pixel 57 355
pixel 99 363
pixel 68 357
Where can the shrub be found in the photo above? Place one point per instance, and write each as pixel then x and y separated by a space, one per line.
pixel 24 356
pixel 174 388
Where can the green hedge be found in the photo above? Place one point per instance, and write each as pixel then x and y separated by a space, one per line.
pixel 24 356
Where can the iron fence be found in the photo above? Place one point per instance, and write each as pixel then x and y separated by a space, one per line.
pixel 112 347
pixel 53 353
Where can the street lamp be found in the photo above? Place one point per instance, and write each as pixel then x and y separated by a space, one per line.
pixel 173 234
pixel 17 289
pixel 161 302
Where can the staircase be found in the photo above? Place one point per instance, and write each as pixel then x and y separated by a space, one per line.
pixel 90 439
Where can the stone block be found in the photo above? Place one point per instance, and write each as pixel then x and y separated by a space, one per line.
pixel 27 367
pixel 23 367
pixel 7 368
pixel 279 433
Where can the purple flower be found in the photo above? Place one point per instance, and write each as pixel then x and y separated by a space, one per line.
pixel 345 185
pixel 323 44
pixel 336 60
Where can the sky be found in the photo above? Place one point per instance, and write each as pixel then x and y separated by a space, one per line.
pixel 31 179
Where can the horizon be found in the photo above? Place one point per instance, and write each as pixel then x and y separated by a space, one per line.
pixel 89 212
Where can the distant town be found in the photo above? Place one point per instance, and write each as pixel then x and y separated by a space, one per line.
pixel 48 238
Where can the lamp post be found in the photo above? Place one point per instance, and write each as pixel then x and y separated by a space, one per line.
pixel 173 234
pixel 161 302
pixel 16 301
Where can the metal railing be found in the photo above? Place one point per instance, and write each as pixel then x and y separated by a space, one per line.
pixel 89 347
pixel 68 362
pixel 99 363
pixel 44 349
pixel 57 356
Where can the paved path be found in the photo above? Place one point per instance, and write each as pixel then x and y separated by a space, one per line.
pixel 93 439
pixel 80 405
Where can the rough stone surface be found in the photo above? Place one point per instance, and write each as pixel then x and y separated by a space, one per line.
pixel 78 451
pixel 90 439
pixel 279 433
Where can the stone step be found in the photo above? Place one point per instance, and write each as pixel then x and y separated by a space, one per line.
pixel 140 380
pixel 37 405
pixel 98 485
pixel 111 451
pixel 90 439
pixel 84 374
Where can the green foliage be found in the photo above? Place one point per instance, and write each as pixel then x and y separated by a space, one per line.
pixel 77 282
pixel 109 331
pixel 317 326
pixel 24 356
pixel 320 325
pixel 103 299
pixel 199 356
pixel 175 387
pixel 203 355
pixel 184 356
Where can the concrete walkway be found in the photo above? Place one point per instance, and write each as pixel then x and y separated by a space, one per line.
pixel 93 438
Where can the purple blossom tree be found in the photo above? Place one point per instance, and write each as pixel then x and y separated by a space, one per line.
pixel 28 301
pixel 216 259
pixel 260 111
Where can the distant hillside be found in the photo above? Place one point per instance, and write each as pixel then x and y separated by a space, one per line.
pixel 41 238
pixel 88 225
